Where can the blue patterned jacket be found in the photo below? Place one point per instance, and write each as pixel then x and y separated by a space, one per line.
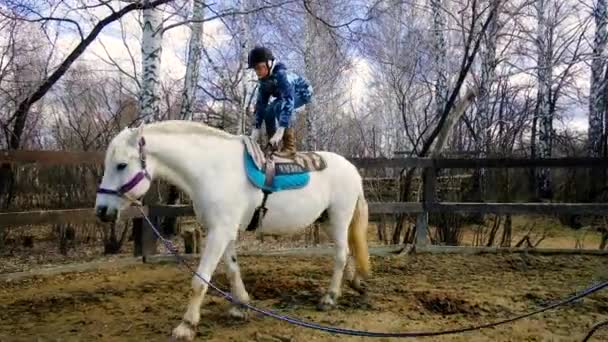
pixel 289 89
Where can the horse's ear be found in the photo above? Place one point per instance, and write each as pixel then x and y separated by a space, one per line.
pixel 139 131
pixel 136 133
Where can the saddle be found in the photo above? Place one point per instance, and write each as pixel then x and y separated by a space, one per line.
pixel 275 171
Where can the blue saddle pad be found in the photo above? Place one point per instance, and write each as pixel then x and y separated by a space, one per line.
pixel 280 182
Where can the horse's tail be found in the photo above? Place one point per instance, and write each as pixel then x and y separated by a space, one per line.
pixel 357 237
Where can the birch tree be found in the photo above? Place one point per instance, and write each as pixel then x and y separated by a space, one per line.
pixel 325 62
pixel 598 83
pixel 559 50
pixel 439 54
pixel 488 76
pixel 18 117
pixel 151 50
pixel 246 80
pixel 544 43
pixel 598 92
pixel 193 60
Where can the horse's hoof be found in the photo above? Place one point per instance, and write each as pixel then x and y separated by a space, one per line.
pixel 328 302
pixel 238 313
pixel 324 307
pixel 358 286
pixel 183 333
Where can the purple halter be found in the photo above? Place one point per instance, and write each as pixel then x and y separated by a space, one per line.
pixel 139 176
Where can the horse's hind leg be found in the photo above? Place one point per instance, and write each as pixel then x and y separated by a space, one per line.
pixel 338 230
pixel 236 282
pixel 354 279
pixel 217 240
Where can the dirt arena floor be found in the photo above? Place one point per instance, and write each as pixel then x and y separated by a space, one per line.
pixel 406 293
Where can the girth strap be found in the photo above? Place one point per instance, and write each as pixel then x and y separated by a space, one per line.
pixel 259 213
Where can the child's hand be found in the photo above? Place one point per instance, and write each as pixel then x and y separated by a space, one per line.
pixel 255 134
pixel 277 137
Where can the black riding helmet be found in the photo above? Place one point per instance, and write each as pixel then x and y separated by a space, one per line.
pixel 259 54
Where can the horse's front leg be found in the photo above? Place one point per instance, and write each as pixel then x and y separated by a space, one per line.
pixel 236 282
pixel 217 240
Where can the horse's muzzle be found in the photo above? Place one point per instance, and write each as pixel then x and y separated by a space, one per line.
pixel 104 214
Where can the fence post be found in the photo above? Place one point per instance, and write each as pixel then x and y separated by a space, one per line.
pixel 148 238
pixel 422 223
pixel 429 181
pixel 144 239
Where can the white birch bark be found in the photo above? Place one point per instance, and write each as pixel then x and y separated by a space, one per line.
pixel 598 82
pixel 194 59
pixel 151 49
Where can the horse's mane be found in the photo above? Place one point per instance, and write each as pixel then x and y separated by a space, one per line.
pixel 186 127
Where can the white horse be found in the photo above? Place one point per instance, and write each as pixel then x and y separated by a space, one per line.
pixel 208 164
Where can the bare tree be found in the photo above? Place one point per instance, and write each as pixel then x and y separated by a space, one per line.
pixel 471 47
pixel 598 91
pixel 19 115
pixel 194 58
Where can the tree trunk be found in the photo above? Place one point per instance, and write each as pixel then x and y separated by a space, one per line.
pixel 440 53
pixel 194 59
pixel 597 92
pixel 151 49
pixel 309 64
pixel 507 232
pixel 245 76
pixel 545 117
pixel 488 70
pixel 532 188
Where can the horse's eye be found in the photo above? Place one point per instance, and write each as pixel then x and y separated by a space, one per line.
pixel 121 166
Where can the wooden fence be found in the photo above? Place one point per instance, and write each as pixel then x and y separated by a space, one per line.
pixel 429 204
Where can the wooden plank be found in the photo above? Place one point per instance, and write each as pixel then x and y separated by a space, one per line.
pixel 395 207
pixel 502 163
pixel 172 210
pixel 394 250
pixel 371 163
pixel 434 249
pixel 308 251
pixel 459 163
pixel 374 208
pixel 522 208
pixel 96 157
pixel 51 157
pixel 86 215
pixel 44 217
pixel 416 207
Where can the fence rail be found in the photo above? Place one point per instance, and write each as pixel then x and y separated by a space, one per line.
pixel 51 157
pixel 43 217
pixel 421 209
pixel 96 157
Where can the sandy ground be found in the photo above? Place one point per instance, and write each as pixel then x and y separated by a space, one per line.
pixel 422 292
